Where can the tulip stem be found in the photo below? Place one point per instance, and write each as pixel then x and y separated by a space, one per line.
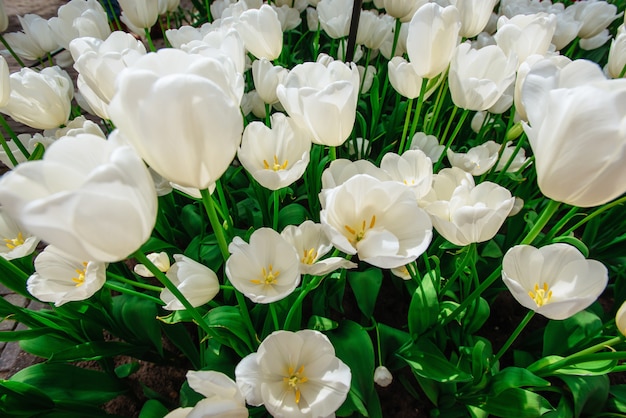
pixel 418 112
pixel 578 357
pixel 7 150
pixel 543 219
pixel 218 229
pixel 457 128
pixel 149 39
pixel 407 118
pixel 122 289
pixel 141 257
pixel 596 213
pixel 470 252
pixel 313 284
pixel 208 10
pixel 332 153
pixel 275 196
pixel 8 47
pixel 14 137
pixel 274 316
pixel 121 279
pixel 514 335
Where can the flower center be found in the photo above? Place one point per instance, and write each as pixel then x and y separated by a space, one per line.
pixel 80 280
pixel 309 256
pixel 293 379
pixel 15 242
pixel 359 232
pixel 269 276
pixel 276 166
pixel 541 295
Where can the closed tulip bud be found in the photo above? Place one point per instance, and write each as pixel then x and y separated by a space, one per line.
pixel 334 17
pixel 266 78
pixel 322 99
pixel 24 46
pixel 403 78
pixel 577 135
pixel 41 100
pixel 617 57
pixel 288 16
pixel 196 282
pixel 189 93
pixel 140 13
pixel 261 32
pixel 432 39
pixel 38 29
pixel 479 77
pixel 373 29
pixel 402 9
pixel 77 19
pixel 80 181
pixel 168 6
pixel 382 376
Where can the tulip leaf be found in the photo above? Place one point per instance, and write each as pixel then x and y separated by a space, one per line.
pixel 292 214
pixel 618 400
pixel 37 153
pixel 588 368
pixel 562 337
pixel 23 399
pixel 515 377
pixel 427 361
pixel 179 336
pixel 228 328
pixel 589 392
pixel 46 345
pixel 571 240
pixel 24 334
pixel 391 340
pixel 138 316
pixel 95 350
pixel 124 370
pixel 153 409
pixel 475 316
pixel 514 402
pixel 366 285
pixel 424 308
pixel 320 323
pixel 64 382
pixel 191 220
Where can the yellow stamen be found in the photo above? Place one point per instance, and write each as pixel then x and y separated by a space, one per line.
pixel 15 242
pixel 359 232
pixel 276 166
pixel 293 379
pixel 269 276
pixel 309 256
pixel 542 295
pixel 80 280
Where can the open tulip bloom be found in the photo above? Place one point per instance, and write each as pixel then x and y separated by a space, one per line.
pixel 306 207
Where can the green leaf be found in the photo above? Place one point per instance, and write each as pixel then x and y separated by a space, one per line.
pixel 589 392
pixel 95 350
pixel 24 335
pixel 354 347
pixel 46 345
pixel 320 323
pixel 139 317
pixel 475 316
pixel 228 328
pixel 514 402
pixel 70 383
pixel 179 336
pixel 562 337
pixel 424 308
pixel 366 285
pixel 292 214
pixel 391 340
pixel 192 220
pixel 37 153
pixel 515 377
pixel 571 240
pixel 22 399
pixel 153 409
pixel 588 368
pixel 124 370
pixel 618 401
pixel 427 361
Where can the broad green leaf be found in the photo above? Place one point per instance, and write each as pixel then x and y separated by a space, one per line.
pixel 124 370
pixel 26 334
pixel 179 336
pixel 47 345
pixel 192 220
pixel 153 409
pixel 562 337
pixel 571 240
pixel 588 368
pixel 391 340
pixel 589 392
pixel 228 328
pixel 617 402
pixel 70 383
pixel 515 377
pixel 475 316
pixel 366 285
pixel 22 399
pixel 424 308
pixel 292 214
pixel 432 365
pixel 139 317
pixel 320 323
pixel 514 402
pixel 95 350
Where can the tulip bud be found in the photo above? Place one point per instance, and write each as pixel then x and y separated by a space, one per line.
pixel 382 376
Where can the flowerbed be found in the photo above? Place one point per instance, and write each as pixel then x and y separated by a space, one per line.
pixel 302 205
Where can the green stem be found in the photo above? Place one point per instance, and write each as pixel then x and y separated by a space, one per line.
pixel 332 153
pixel 275 196
pixel 457 128
pixel 274 316
pixel 149 39
pixel 141 257
pixel 418 111
pixel 405 129
pixel 134 283
pixel 8 151
pixel 14 137
pixel 596 213
pixel 208 10
pixel 545 216
pixel 127 291
pixel 8 47
pixel 514 335
pixel 428 130
pixel 316 280
pixel 218 229
pixel 469 255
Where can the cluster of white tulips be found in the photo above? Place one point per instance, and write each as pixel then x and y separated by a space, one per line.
pixel 438 132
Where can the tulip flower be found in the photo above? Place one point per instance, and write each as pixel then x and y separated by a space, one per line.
pixel 80 181
pixel 294 374
pixel 100 62
pixel 222 43
pixel 222 397
pixel 479 77
pixel 29 142
pixel 199 125
pixel 373 29
pixel 61 278
pixel 432 39
pixel 402 9
pixel 413 169
pixel 404 79
pixel 312 243
pixel 261 32
pixel 160 260
pixel 617 56
pixel 341 170
pixel 555 281
pixel 334 17
pixel 378 220
pixel 620 319
pixel 38 29
pixel 196 282
pixel 322 98
pixel 266 77
pixel 427 144
pixel 17 243
pixel 140 13
pixel 525 35
pixel 477 160
pixel 24 46
pixel 5 82
pixel 275 157
pixel 594 15
pixel 41 100
pixel 474 15
pixel 4 18
pixel 382 376
pixel 77 19
pixel 288 17
pixel 464 213
pixel 576 135
pixel 267 269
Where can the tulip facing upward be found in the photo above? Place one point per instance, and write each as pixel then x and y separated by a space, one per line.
pixel 555 281
pixel 322 98
pixel 181 113
pixel 81 181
